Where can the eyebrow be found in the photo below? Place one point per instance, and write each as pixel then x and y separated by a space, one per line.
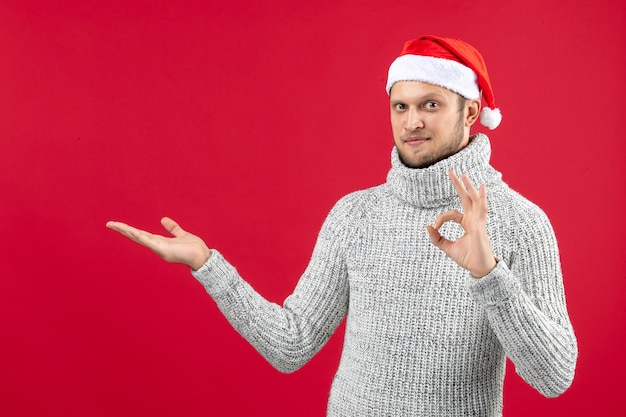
pixel 426 97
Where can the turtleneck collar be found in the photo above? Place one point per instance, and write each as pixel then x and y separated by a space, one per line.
pixel 431 187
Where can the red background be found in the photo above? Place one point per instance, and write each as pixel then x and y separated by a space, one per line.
pixel 246 121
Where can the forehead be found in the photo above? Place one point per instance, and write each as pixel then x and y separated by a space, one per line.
pixel 406 90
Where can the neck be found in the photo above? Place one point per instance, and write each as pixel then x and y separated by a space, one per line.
pixel 430 186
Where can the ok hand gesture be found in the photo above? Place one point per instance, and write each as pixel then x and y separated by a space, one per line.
pixel 472 251
pixel 183 248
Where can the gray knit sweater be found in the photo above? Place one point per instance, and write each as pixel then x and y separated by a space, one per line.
pixel 423 338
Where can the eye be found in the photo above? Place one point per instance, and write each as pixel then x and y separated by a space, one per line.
pixel 400 106
pixel 431 105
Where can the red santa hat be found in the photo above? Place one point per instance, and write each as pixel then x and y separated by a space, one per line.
pixel 449 63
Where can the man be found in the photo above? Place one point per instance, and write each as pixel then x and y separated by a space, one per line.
pixel 432 309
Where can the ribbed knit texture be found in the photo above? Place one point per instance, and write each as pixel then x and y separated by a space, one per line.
pixel 423 338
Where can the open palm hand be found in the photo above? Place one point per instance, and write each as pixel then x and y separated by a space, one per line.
pixel 184 247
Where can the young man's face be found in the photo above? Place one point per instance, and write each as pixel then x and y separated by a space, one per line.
pixel 428 122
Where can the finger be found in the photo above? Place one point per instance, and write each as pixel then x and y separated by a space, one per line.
pixel 460 189
pixel 452 215
pixel 136 235
pixel 470 187
pixel 118 226
pixel 456 182
pixel 482 193
pixel 172 227
pixel 438 240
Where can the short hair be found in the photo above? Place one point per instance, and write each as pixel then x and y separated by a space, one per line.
pixel 462 101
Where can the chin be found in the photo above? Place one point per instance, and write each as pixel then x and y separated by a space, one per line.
pixel 424 161
pixel 415 164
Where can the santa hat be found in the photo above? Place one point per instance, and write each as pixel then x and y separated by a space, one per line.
pixel 449 63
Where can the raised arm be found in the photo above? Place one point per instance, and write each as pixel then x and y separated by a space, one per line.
pixel 286 335
pixel 524 301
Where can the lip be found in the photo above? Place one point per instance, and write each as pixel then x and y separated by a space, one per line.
pixel 415 141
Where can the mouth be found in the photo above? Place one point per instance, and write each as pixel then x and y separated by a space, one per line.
pixel 415 141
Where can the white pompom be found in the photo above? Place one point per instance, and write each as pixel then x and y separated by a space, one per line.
pixel 490 118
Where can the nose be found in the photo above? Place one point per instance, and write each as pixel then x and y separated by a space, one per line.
pixel 413 120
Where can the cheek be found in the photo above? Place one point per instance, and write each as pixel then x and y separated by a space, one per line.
pixel 433 119
pixel 441 123
pixel 396 125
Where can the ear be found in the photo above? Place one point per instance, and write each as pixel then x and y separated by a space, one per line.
pixel 472 112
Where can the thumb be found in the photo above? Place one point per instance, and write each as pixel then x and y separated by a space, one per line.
pixel 172 227
pixel 438 240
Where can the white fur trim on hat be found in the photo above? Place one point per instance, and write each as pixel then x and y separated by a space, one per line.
pixel 445 73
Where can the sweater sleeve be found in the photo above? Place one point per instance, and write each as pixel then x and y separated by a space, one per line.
pixel 289 335
pixel 525 305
